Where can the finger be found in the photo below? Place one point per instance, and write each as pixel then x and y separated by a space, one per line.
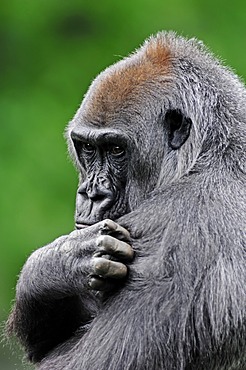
pixel 111 226
pixel 108 268
pixel 115 247
pixel 99 283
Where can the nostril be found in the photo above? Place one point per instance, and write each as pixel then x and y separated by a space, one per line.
pixel 97 189
pixel 95 195
pixel 83 188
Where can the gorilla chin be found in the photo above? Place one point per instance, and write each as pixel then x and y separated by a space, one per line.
pixel 154 275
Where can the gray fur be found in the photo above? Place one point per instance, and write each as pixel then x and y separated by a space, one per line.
pixel 183 306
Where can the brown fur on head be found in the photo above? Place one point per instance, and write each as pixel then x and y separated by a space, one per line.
pixel 123 82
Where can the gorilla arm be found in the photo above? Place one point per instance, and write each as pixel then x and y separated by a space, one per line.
pixel 53 298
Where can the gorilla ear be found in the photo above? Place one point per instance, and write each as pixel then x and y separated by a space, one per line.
pixel 178 128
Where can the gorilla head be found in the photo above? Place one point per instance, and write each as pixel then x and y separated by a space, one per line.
pixel 147 121
pixel 129 129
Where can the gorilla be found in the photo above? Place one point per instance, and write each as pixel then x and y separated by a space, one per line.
pixel 154 275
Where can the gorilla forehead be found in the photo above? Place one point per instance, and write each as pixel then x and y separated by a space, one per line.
pixel 121 85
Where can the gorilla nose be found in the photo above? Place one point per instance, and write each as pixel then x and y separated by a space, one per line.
pixel 97 194
pixel 96 188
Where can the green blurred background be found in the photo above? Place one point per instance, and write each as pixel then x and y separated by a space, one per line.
pixel 50 50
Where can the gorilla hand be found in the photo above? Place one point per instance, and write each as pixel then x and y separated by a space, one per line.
pixel 61 269
pixel 107 262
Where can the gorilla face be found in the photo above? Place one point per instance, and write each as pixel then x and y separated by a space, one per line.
pixel 103 156
pixel 117 172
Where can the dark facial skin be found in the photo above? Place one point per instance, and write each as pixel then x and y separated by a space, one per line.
pixel 102 155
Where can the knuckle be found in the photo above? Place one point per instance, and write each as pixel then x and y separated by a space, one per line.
pixel 105 241
pixel 100 265
pixel 106 223
pixel 100 240
pixel 96 283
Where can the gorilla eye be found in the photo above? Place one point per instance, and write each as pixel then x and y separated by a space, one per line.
pixel 117 151
pixel 88 148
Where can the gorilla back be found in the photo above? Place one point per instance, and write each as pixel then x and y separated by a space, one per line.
pixel 154 276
